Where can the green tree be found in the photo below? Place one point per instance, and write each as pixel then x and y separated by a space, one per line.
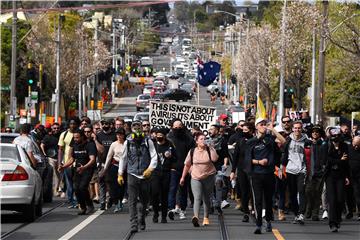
pixel 21 62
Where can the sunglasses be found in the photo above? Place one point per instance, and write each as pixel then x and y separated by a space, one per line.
pixel 146 125
pixel 96 128
pixel 55 128
pixel 87 131
pixel 286 121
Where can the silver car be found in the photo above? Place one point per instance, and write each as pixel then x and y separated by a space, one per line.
pixel 142 101
pixel 20 185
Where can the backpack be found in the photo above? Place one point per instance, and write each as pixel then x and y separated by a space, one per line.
pixel 192 154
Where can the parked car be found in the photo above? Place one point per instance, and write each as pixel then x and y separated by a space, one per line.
pixel 21 187
pixel 147 88
pixel 176 94
pixel 159 86
pixel 44 169
pixel 142 101
pixel 141 116
pixel 188 87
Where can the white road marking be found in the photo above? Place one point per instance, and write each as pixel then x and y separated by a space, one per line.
pixel 82 225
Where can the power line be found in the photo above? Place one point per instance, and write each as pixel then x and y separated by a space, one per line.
pixel 94 7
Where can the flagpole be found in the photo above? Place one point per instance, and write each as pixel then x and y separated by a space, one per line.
pixel 257 88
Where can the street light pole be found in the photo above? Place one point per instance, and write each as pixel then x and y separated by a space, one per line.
pixel 313 81
pixel 283 64
pixel 57 90
pixel 13 62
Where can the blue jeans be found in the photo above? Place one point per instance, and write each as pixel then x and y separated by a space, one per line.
pixel 68 175
pixel 183 193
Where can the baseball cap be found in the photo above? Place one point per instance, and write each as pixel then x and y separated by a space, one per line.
pixel 39 126
pixel 223 116
pixel 136 123
pixel 259 120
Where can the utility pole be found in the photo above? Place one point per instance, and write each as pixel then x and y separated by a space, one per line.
pixel 13 62
pixel 113 60
pixel 40 84
pixel 81 73
pixel 321 73
pixel 95 61
pixel 313 81
pixel 283 63
pixel 58 51
pixel 245 85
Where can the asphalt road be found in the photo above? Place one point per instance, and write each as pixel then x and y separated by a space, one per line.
pixel 63 223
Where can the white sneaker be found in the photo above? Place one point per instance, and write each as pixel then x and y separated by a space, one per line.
pixel 263 213
pixel 325 215
pixel 182 215
pixel 177 210
pixel 124 201
pixel 225 204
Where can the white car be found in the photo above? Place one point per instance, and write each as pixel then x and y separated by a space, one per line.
pixel 147 89
pixel 20 185
pixel 141 116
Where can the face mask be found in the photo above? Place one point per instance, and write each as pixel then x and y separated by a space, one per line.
pixel 106 128
pixel 160 139
pixel 178 131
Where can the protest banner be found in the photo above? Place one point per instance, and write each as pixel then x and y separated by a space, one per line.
pixel 161 113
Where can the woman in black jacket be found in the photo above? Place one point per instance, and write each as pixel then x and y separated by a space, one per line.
pixel 335 154
pixel 160 181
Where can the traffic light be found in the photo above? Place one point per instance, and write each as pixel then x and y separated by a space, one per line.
pixel 288 99
pixel 31 75
pixel 233 79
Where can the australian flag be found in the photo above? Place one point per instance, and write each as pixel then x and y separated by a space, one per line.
pixel 208 72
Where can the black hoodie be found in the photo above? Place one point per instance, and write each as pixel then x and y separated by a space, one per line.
pixel 183 143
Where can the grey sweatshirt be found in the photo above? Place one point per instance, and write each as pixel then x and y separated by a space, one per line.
pixel 296 155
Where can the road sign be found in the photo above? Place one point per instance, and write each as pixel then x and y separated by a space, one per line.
pixel 22 120
pixel 34 95
pixel 33 113
pixel 23 112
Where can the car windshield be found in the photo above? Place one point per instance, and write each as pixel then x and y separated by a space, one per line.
pixel 144 97
pixel 8 138
pixel 142 117
pixel 8 152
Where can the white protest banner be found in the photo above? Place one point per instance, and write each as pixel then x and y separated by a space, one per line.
pixel 161 113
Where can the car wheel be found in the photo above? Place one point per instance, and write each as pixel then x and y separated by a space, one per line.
pixel 29 211
pixel 38 209
pixel 48 187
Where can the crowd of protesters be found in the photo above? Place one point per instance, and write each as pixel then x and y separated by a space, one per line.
pixel 269 171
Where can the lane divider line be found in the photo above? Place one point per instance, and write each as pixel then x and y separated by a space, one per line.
pixel 82 225
pixel 277 234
